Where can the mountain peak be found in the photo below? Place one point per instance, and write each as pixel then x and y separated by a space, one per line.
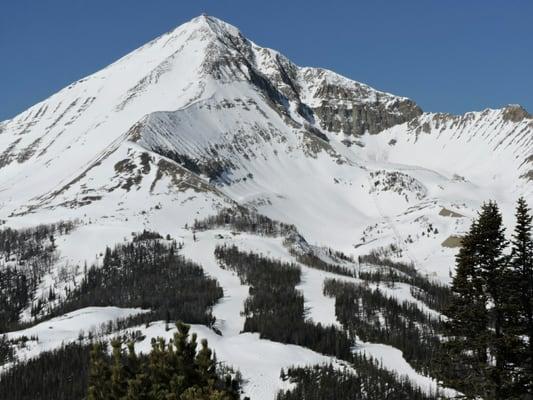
pixel 209 23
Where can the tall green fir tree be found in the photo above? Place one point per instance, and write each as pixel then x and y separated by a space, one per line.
pixel 494 271
pixel 522 284
pixel 482 343
pixel 464 355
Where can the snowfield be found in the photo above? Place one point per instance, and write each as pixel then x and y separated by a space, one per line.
pixel 55 332
pixel 259 360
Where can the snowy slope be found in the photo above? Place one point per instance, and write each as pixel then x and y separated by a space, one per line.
pixel 202 118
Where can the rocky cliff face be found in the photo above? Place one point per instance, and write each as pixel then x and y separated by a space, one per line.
pixel 335 103
pixel 353 108
pixel 356 119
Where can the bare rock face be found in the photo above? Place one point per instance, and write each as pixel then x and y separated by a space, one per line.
pixel 353 108
pixel 355 118
pixel 337 103
pixel 515 113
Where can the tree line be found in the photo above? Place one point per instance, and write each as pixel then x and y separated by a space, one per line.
pixel 327 382
pixel 431 292
pixel 25 256
pixel 275 309
pixel 147 273
pixel 60 374
pixel 374 317
pixel 82 370
pixel 243 220
pixel 6 350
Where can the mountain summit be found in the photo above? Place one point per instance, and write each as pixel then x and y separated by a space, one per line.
pixel 204 60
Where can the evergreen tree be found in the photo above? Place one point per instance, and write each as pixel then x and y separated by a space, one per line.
pixel 522 263
pixel 59 374
pixel 132 366
pixel 118 374
pixel 494 271
pixel 99 374
pixel 206 365
pixel 482 347
pixel 186 351
pixel 138 388
pixel 171 371
pixel 159 369
pixel 465 355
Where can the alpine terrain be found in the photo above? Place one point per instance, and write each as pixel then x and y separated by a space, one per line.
pixel 206 179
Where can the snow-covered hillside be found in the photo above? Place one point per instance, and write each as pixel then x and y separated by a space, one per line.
pixel 201 119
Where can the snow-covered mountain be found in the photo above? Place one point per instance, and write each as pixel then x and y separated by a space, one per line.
pixel 201 119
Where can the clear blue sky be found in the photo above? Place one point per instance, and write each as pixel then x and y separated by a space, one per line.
pixel 451 56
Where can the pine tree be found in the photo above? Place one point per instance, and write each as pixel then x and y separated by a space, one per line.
pixel 159 369
pixel 205 365
pixel 465 352
pixel 138 388
pixel 107 256
pixel 482 344
pixel 99 374
pixel 172 371
pixel 133 363
pixel 494 268
pixel 186 350
pixel 118 374
pixel 522 263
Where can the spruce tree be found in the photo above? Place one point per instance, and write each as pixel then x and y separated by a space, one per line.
pixel 494 270
pixel 481 345
pixel 464 358
pixel 522 263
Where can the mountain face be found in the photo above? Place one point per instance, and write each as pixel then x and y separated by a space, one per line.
pixel 202 119
pixel 203 110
